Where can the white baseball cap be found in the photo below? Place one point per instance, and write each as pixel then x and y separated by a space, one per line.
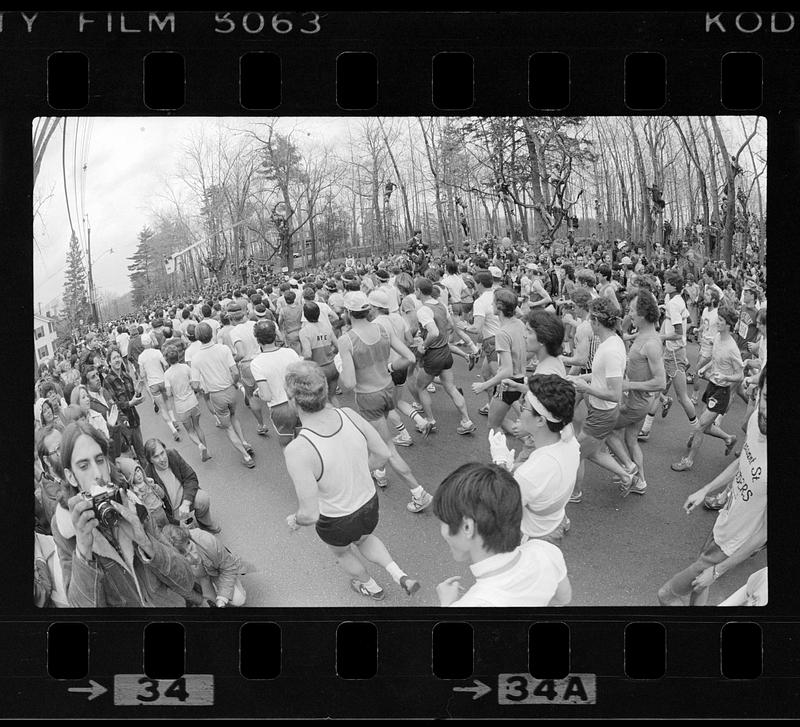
pixel 495 271
pixel 355 300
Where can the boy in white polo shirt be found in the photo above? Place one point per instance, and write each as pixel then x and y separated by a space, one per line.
pixel 480 508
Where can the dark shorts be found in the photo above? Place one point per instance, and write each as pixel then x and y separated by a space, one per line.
pixel 489 349
pixel 399 376
pixel 376 404
pixel 509 397
pixel 466 307
pixel 600 423
pixel 631 414
pixel 437 360
pixel 342 531
pixel 717 398
pixel 457 309
pixel 331 373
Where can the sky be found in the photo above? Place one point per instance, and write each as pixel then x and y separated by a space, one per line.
pixel 127 162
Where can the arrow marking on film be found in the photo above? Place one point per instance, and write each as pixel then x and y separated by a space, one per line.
pixel 480 689
pixel 95 689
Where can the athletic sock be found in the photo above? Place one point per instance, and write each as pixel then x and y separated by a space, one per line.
pixel 372 586
pixel 395 571
pixel 418 491
pixel 648 423
pixel 401 428
pixel 419 420
pixel 379 473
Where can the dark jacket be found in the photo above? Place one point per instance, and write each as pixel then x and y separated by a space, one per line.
pixel 120 390
pixel 183 473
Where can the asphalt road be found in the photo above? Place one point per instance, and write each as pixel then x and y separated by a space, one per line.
pixel 618 551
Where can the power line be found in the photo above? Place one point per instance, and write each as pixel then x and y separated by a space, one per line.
pixel 64 172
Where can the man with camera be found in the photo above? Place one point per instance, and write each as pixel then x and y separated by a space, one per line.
pixel 109 555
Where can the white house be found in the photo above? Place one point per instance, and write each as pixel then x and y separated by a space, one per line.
pixel 44 337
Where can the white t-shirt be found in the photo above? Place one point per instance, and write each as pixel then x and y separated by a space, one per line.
pixel 190 350
pixel 746 510
pixel 609 363
pixel 546 480
pixel 676 314
pixel 708 324
pixel 244 332
pixel 527 576
pixel 270 366
pixel 176 380
pixel 455 286
pixel 152 363
pixel 484 306
pixel 211 367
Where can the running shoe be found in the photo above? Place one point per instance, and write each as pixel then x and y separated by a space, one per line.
pixel 263 430
pixel 576 497
pixel 418 504
pixel 472 360
pixel 249 449
pixel 484 410
pixel 689 378
pixel 409 585
pixel 403 440
pixel 427 428
pixel 642 436
pixel 361 588
pixel 205 456
pixel 380 480
pixel 431 388
pixel 730 445
pixel 636 484
pixel 718 501
pixel 155 407
pixel 567 524
pixel 666 405
pixel 683 466
pixel 466 428
pixel 633 471
pixel 176 436
pixel 249 463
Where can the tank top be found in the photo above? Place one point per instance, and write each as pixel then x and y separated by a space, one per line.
pixel 638 369
pixel 440 319
pixel 292 317
pixel 372 358
pixel 345 483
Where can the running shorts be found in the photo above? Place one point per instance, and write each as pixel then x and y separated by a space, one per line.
pixel 436 360
pixel 399 376
pixel 510 396
pixel 247 379
pixel 717 398
pixel 675 361
pixel 600 423
pixel 375 405
pixel 489 349
pixel 223 403
pixel 342 531
pixel 184 416
pixel 284 419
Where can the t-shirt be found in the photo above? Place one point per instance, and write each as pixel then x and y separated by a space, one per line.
pixel 244 332
pixel 484 306
pixel 189 352
pixel 318 336
pixel 176 379
pixel 545 481
pixel 527 576
pixel 725 359
pixel 214 328
pixel 270 366
pixel 746 510
pixel 746 330
pixel 708 324
pixel 551 365
pixel 455 286
pixel 211 367
pixel 152 364
pixel 511 338
pixel 676 314
pixel 609 363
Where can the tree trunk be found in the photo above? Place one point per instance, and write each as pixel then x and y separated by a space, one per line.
pixel 730 190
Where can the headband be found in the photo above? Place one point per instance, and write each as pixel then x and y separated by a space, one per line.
pixel 540 408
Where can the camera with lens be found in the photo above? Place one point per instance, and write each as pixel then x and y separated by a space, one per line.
pixel 104 511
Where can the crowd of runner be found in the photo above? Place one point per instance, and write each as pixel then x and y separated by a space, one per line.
pixel 580 354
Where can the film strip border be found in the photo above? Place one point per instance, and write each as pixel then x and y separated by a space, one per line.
pixel 402 668
pixel 264 81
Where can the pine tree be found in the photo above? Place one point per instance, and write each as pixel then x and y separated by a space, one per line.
pixel 75 301
pixel 140 270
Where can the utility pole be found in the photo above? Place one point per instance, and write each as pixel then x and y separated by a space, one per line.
pixel 92 303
